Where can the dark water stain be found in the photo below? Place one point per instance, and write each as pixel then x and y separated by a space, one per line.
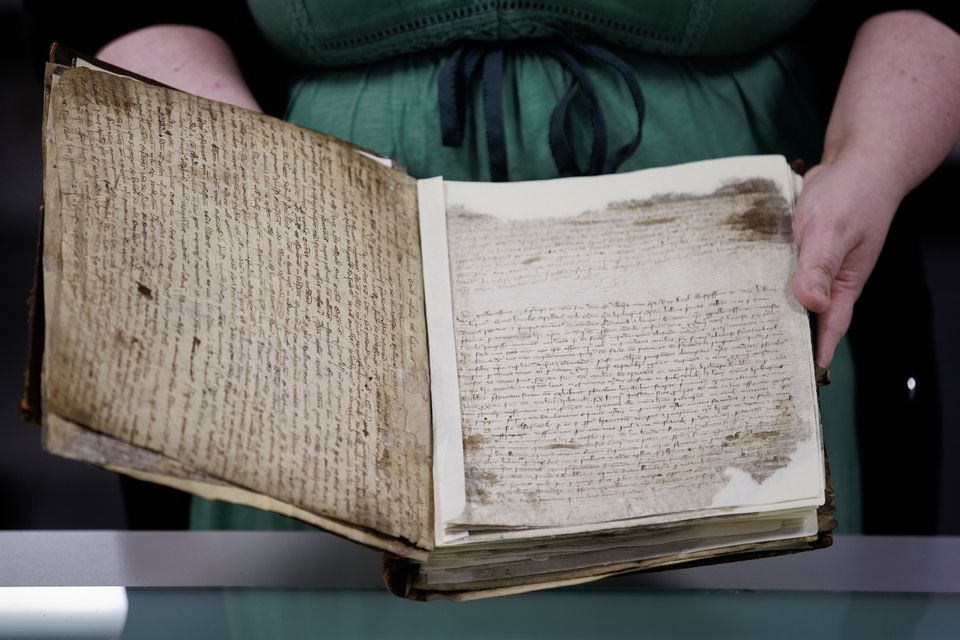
pixel 126 341
pixel 750 186
pixel 763 468
pixel 767 218
pixel 478 495
pixel 652 221
pixel 466 214
pixel 653 201
pixel 473 441
pixel 473 475
pixel 768 450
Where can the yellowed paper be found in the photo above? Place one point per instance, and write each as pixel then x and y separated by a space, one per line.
pixel 64 438
pixel 632 351
pixel 239 295
pixel 449 492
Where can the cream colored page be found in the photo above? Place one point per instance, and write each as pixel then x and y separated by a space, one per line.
pixel 448 481
pixel 638 358
pixel 242 296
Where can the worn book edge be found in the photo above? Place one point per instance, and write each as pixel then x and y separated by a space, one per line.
pixel 400 574
pixel 70 440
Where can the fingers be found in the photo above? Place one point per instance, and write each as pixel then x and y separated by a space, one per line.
pixel 828 278
pixel 842 217
pixel 828 283
pixel 832 269
pixel 822 251
pixel 833 323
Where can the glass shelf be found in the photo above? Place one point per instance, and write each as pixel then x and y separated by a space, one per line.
pixel 573 613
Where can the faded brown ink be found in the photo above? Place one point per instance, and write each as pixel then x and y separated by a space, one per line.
pixel 636 399
pixel 270 280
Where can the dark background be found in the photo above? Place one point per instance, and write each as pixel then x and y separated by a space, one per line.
pixel 896 323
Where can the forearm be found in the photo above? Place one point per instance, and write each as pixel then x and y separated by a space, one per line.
pixel 896 116
pixel 897 110
pixel 188 58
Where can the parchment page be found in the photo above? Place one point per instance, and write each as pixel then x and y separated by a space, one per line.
pixel 64 438
pixel 449 494
pixel 626 348
pixel 240 295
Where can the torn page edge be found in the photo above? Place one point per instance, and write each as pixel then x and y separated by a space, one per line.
pixel 449 489
pixel 524 200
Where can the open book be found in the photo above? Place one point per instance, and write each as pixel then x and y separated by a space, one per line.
pixel 504 387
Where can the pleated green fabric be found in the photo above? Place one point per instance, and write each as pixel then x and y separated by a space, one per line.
pixel 336 33
pixel 696 109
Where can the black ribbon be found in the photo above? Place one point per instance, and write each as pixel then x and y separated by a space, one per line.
pixel 458 73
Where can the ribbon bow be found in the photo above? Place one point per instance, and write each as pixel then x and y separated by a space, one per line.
pixel 459 70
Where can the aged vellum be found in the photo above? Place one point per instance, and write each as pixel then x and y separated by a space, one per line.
pixel 631 352
pixel 229 291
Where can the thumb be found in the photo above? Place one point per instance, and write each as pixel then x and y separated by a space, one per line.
pixel 822 252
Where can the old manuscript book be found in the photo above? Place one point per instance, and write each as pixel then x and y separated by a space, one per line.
pixel 504 387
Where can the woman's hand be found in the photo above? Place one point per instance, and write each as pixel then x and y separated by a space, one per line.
pixel 896 117
pixel 187 58
pixel 842 218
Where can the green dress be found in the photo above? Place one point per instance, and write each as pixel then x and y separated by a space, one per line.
pixel 720 79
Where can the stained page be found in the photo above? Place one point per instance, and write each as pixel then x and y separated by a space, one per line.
pixel 239 295
pixel 64 438
pixel 629 346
